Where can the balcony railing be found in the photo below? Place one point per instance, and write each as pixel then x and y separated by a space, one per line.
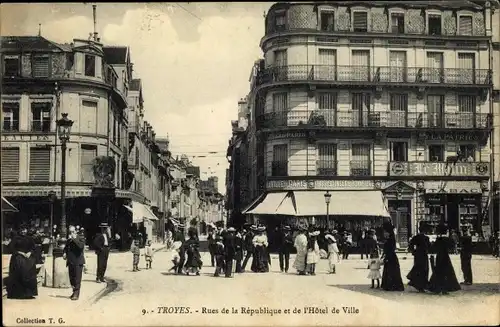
pixel 279 168
pixel 10 125
pixel 326 168
pixel 360 168
pixel 40 126
pixel 377 74
pixel 384 119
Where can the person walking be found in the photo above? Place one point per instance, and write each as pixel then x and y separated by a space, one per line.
pixel 148 255
pixel 211 246
pixel 312 257
pixel 347 244
pixel 191 248
pixel 101 245
pixel 229 241
pixel 248 245
pixel 419 275
pixel 179 237
pixel 238 256
pixel 285 247
pixel 74 254
pixel 219 255
pixel 301 246
pixel 466 256
pixel 391 275
pixel 135 248
pixel 333 251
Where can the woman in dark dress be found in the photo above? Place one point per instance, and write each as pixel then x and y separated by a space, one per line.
pixel 260 262
pixel 191 246
pixel 22 280
pixel 443 279
pixel 419 274
pixel 391 276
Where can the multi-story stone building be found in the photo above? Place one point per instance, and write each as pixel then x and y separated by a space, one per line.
pixel 392 98
pixel 495 210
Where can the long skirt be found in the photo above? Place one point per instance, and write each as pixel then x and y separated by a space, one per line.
pixel 419 274
pixel 391 276
pixel 300 261
pixel 22 280
pixel 443 277
pixel 260 261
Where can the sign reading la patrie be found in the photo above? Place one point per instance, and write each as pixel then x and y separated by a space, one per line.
pixel 319 184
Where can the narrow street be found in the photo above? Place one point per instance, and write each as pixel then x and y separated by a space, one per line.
pixel 204 297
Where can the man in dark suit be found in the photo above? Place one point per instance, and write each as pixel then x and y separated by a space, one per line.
pixel 178 236
pixel 75 260
pixel 248 245
pixel 102 243
pixel 229 240
pixel 285 247
pixel 466 256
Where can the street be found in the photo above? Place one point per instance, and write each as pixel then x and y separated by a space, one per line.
pixel 156 297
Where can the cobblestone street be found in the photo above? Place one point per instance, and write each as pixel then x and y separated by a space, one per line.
pixel 149 289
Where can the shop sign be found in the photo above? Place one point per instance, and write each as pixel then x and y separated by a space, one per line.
pixel 319 184
pixel 450 136
pixel 438 169
pixel 25 138
pixel 287 135
pixel 452 187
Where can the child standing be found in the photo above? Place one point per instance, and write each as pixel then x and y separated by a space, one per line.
pixel 374 266
pixel 219 256
pixel 136 251
pixel 312 256
pixel 333 252
pixel 148 253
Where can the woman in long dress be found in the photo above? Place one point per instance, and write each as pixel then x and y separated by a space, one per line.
pixel 443 279
pixel 22 280
pixel 301 246
pixel 191 246
pixel 391 276
pixel 419 274
pixel 260 262
pixel 312 257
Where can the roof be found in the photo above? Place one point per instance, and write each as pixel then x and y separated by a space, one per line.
pixel 116 55
pixel 135 84
pixel 416 4
pixel 29 43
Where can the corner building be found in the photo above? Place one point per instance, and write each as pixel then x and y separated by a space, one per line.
pixel 389 97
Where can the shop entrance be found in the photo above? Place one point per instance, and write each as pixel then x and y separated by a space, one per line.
pixel 400 211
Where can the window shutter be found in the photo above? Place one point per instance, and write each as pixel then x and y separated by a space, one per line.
pixel 88 153
pixel 39 165
pixel 465 25
pixel 98 67
pixel 79 63
pixel 360 21
pixel 10 164
pixel 40 66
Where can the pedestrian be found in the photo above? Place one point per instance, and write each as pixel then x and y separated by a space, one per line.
pixel 101 245
pixel 238 256
pixel 374 274
pixel 363 243
pixel 74 254
pixel 248 245
pixel 300 244
pixel 148 255
pixel 391 275
pixel 219 255
pixel 179 237
pixel 333 251
pixel 419 247
pixel 347 244
pixel 136 251
pixel 312 257
pixel 191 248
pixel 211 246
pixel 260 262
pixel 229 251
pixel 466 256
pixel 175 256
pixel 285 247
pixel 454 242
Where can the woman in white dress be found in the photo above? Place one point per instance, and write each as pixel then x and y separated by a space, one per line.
pixel 260 262
pixel 301 246
pixel 312 257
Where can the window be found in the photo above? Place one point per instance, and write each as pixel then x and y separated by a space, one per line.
pixel 466 111
pixel 39 165
pixel 399 110
pixel 113 122
pixel 10 165
pixel 327 105
pixel 399 151
pixel 436 152
pixel 434 24
pixel 467 152
pixel 279 165
pixel 360 21
pixel 327 163
pixel 40 116
pixel 360 108
pixel 87 155
pixel 10 113
pixel 435 110
pixel 280 21
pixel 360 163
pixel 40 66
pixel 327 21
pixel 398 23
pixel 88 117
pixel 11 65
pixel 465 25
pixel 280 108
pixel 89 65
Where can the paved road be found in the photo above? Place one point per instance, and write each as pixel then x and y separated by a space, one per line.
pixel 207 296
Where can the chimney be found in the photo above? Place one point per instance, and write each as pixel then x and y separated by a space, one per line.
pixel 94 7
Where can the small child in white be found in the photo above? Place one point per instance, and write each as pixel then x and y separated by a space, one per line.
pixel 374 265
pixel 333 252
pixel 175 256
pixel 148 253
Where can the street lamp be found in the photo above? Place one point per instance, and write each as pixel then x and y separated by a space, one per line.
pixel 328 197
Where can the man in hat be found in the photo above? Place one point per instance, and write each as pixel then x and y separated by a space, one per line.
pixel 285 243
pixel 101 244
pixel 466 256
pixel 249 245
pixel 239 244
pixel 75 260
pixel 229 240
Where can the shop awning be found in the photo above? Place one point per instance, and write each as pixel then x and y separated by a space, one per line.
pixel 268 205
pixel 287 206
pixel 7 206
pixel 140 212
pixel 342 203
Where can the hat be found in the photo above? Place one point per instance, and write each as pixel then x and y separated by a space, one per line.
pixel 231 229
pixel 286 228
pixel 330 237
pixel 334 231
pixel 315 233
pixel 104 225
pixel 253 227
pixel 261 228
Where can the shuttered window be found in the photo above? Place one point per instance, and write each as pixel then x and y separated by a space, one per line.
pixel 466 103
pixel 39 165
pixel 40 111
pixel 327 163
pixel 327 100
pixel 88 117
pixel 40 65
pixel 10 164
pixel 87 156
pixel 10 111
pixel 280 160
pixel 360 163
pixel 465 25
pixel 360 21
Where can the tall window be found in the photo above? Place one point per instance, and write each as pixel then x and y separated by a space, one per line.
pixel 40 116
pixel 279 165
pixel 436 152
pixel 87 155
pixel 399 151
pixel 467 152
pixel 327 163
pixel 399 110
pixel 40 66
pixel 10 164
pixel 327 105
pixel 10 113
pixel 434 24
pixel 360 163
pixel 280 20
pixel 398 23
pixel 327 21
pixel 11 65
pixel 360 21
pixel 39 165
pixel 280 108
pixel 465 25
pixel 360 108
pixel 466 111
pixel 88 117
pixel 90 65
pixel 435 110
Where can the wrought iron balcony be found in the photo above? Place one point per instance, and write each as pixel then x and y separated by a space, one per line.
pixel 279 168
pixel 10 125
pixel 326 168
pixel 377 74
pixel 40 126
pixel 360 168
pixel 384 119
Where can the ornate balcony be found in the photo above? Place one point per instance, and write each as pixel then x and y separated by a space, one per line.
pixel 326 168
pixel 279 168
pixel 339 75
pixel 360 168
pixel 387 119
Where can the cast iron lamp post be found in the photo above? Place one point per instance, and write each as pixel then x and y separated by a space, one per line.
pixel 328 197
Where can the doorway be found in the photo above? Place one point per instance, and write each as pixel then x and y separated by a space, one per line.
pixel 400 211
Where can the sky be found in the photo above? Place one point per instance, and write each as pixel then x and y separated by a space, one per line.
pixel 194 60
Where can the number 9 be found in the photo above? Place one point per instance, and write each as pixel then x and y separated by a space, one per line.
pixel 143 311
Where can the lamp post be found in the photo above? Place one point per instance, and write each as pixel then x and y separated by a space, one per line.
pixel 60 275
pixel 328 197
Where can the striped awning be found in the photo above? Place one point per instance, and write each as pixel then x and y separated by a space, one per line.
pixel 140 212
pixel 268 205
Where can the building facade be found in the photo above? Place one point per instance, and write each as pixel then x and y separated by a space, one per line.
pixel 495 210
pixel 370 96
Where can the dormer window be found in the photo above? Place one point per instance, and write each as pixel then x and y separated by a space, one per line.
pixel 89 65
pixel 11 65
pixel 360 21
pixel 465 24
pixel 397 23
pixel 434 24
pixel 327 20
pixel 40 65
pixel 280 20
